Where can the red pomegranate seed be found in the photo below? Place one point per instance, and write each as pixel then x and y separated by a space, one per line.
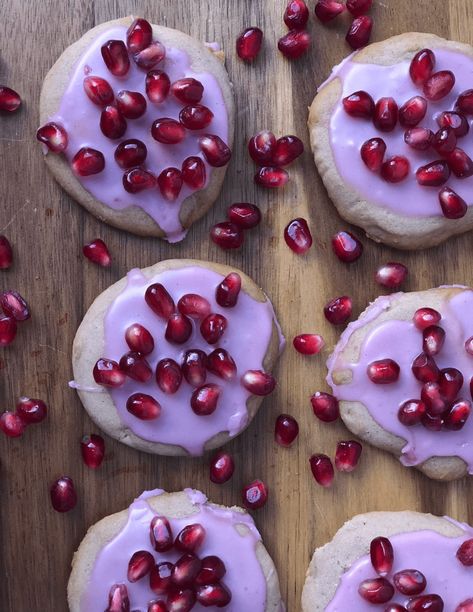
pixel 271 177
pixel 460 163
pixel 115 56
pixel 322 470
pixel 8 329
pixel 139 35
pixel 465 606
pixel 204 399
pixel 246 216
pixel 14 305
pixel 131 104
pixel 465 553
pixel 160 534
pixel 93 450
pixel 159 300
pixel 325 406
pixel 194 306
pixel 385 114
pixel 258 382
pixel 63 494
pixel 411 412
pixel 228 291
pixel 450 381
pixel 432 422
pixel 143 406
pixel 359 32
pixel 394 607
pixel 157 606
pixel 458 415
pixel 157 86
pixel 372 153
pixel 432 398
pixel 308 344
pixel 455 120
pixel 347 455
pixel 413 111
pixel 98 90
pixel 212 571
pixel 359 7
pixel 139 339
pixel 433 174
pixel 178 329
pixel 11 424
pixel 338 310
pixel 137 179
pixel 297 236
pixel 424 317
pixel 294 44
pixel 286 430
pixel 326 10
pixel 359 104
pixel 410 582
pixel 54 136
pixel 88 161
pixel 150 56
pixel 261 147
pixel 188 90
pixel 213 595
pixel 190 538
pixel 136 366
pixel 213 327
pixel 465 102
pixel 383 371
pixel 453 206
pixel 118 599
pixel 10 101
pixel 433 338
pixel 296 15
pixel 31 411
pixel 395 169
pixel 227 235
pixel 419 138
pixel 432 603
pixel 382 555
pixel 139 565
pixel 444 141
pixel 196 116
pixel 215 151
pixel 170 183
pixel 130 153
pixel 439 85
pixel 346 247
pixel 222 467
pixel 220 363
pixel 112 123
pixel 469 345
pixel 255 495
pixel 97 252
pixel 6 253
pixel 108 374
pixel 391 275
pixel 181 600
pixel 376 590
pixel 248 44
pixel 193 172
pixel 287 149
pixel 422 66
pixel 425 369
pixel 193 367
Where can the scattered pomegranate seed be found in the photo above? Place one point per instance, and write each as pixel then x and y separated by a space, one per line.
pixel 455 120
pixel 261 147
pixel 422 66
pixel 194 367
pixel 98 90
pixel 425 369
pixel 359 32
pixel 157 86
pixel 465 606
pixel 453 206
pixel 391 275
pixel 213 595
pixel 394 607
pixel 338 310
pixel 222 467
pixel 444 141
pixel 346 246
pixel 143 406
pixel 432 603
pixel 10 101
pixel 136 366
pixel 258 382
pixel 296 15
pixel 246 216
pixel 395 169
pixel 308 344
pixel 433 174
pixel 410 582
pixel 150 56
pixel 382 555
pixel 112 123
pixel 88 161
pixel 115 56
pixel 131 104
pixel 297 236
pixel 213 327
pixel 325 406
pixel 178 329
pixel 168 376
pixel 139 339
pixel 419 138
pixel 196 116
pixel 204 399
pixel 159 300
pixel 14 305
pixel 107 373
pixel 118 600
pixel 411 412
pixel 372 153
pixel 287 149
pixel 469 345
pixel 63 494
pixel 170 183
pixel 385 114
pixel 227 235
pixel 439 85
pixel 376 590
pixel 432 398
pixel 190 538
pixel 326 10
pixel 54 136
pixel 6 253
pixel 458 415
pixel 465 553
pixel 160 534
pixel 188 90
pixel 248 44
pixel 8 329
pixel 11 424
pixel 432 422
pixel 160 575
pixel 255 495
pixel 139 35
pixel 181 600
pixel 322 470
pixel 194 306
pixel 294 44
pixel 130 153
pixel 139 565
pixel 93 450
pixel 383 371
pixel 460 163
pixel 157 606
pixel 424 317
pixel 465 102
pixel 286 430
pixel 215 151
pixel 137 179
pixel 212 571
pixel 359 104
pixel 193 172
pixel 31 411
pixel 228 291
pixel 359 7
pixel 347 455
pixel 271 177
pixel 450 382
pixel 97 252
pixel 220 363
pixel 413 111
pixel 433 338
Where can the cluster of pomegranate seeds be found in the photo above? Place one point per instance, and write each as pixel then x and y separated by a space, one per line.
pixel 347 456
pixel 359 32
pixel 93 450
pixel 308 344
pixel 63 494
pixel 10 101
pixel 15 309
pixel 346 247
pixel 391 275
pixel 222 467
pixel 296 42
pixel 286 430
pixel 255 495
pixel 97 252
pixel 271 155
pixel 338 310
pixel 248 44
pixel 230 234
pixel 297 236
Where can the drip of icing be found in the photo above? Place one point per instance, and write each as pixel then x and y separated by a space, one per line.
pixel 347 133
pixel 244 576
pixel 81 117
pixel 383 401
pixel 246 338
pixel 72 384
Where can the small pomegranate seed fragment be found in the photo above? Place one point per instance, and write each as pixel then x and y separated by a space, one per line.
pixel 325 406
pixel 359 104
pixel 31 411
pixel 271 177
pixel 425 369
pixel 10 101
pixel 359 32
pixel 395 169
pixel 215 151
pixel 143 406
pixel 347 455
pixel 385 114
pixel 327 10
pixel 157 606
pixel 391 275
pixel 193 172
pixel 137 179
pixel 196 116
pixel 88 161
pixel 112 123
pixel 458 415
pixel 294 44
pixel 63 494
pixel 248 44
pixel 130 153
pixel 469 345
pixel 424 317
pixel 118 600
pixel 422 66
pixel 308 344
pixel 465 553
pixel 394 607
pixel 455 120
pixel 194 306
pixel 433 174
pixel 297 236
pixel 170 183
pixel 150 56
pixel 439 85
pixel 6 253
pixel 139 339
pixel 139 565
pixel 453 206
pixel 346 247
pixel 383 371
pixel 432 603
pixel 139 35
pixel 213 595
pixel 296 15
pixel 135 366
pixel 8 329
pixel 460 163
pixel 220 363
pixel 410 582
pixel 14 305
pixel 98 90
pixel 54 136
pixel 433 338
pixel 227 235
pixel 160 534
pixel 338 310
pixel 359 7
pixel 258 382
pixel 97 252
pixel 246 216
pixel 322 470
pixel 159 300
pixel 450 382
pixel 131 104
pixel 465 606
pixel 411 412
pixel 157 85
pixel 212 571
pixel 287 149
pixel 228 291
pixel 382 555
pixel 376 590
pixel 108 374
pixel 181 600
pixel 93 450
pixel 178 329
pixel 444 141
pixel 413 111
pixel 432 422
pixel 419 138
pixel 193 367
pixel 261 147
pixel 255 495
pixel 372 153
pixel 204 399
pixel 222 467
pixel 12 424
pixel 188 90
pixel 190 538
pixel 115 56
pixel 213 327
pixel 286 430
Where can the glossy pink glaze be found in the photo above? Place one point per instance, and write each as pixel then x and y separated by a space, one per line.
pixel 81 119
pixel 347 133
pixel 246 338
pixel 402 341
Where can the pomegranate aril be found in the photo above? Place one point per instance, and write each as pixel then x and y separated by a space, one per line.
pixel 458 415
pixel 410 582
pixel 8 328
pixel 296 15
pixel 63 494
pixel 213 327
pixel 248 44
pixel 359 32
pixel 381 555
pixel 359 104
pixel 419 138
pixel 326 10
pixel 143 406
pixel 139 565
pixel 425 369
pixel 411 412
pixel 139 35
pixel 460 163
pixel 376 590
pixel 88 161
pixel 465 553
pixel 433 338
pixel 54 136
pixel 246 216
pixel 271 177
pixel 170 183
pixel 130 153
pixel 385 114
pixel 220 363
pixel 10 101
pixel 115 56
pixel 204 399
pixel 432 422
pixel 322 469
pixel 359 7
pixel 395 169
pixel 432 603
pixel 294 44
pixel 424 317
pixel 325 406
pixel 297 236
pixel 346 247
pixel 450 382
pixel 136 366
pixel 338 310
pixel 6 253
pixel 137 179
pixel 286 430
pixel 194 306
pixel 108 374
pixel 181 600
pixel 187 90
pixel 195 117
pixel 413 111
pixel 150 56
pixel 213 595
pixel 160 534
pixel 261 147
pixel 444 141
pixel 157 606
pixel 222 467
pixel 226 294
pixel 139 339
pixel 97 252
pixel 131 104
pixel 308 344
pixel 112 123
pixel 215 151
pixel 93 450
pixel 432 398
pixel 465 102
pixel 31 410
pixel 194 367
pixel 455 120
pixel 14 305
pixel 118 600
pixel 190 538
pixel 287 149
pixel 168 376
pixel 178 329
pixel 193 172
pixel 157 86
pixel 227 235
pixel 160 575
pixel 212 571
pixel 98 90
pixel 394 607
pixel 469 345
pixel 347 455
pixel 258 382
pixel 433 174
pixel 372 153
pixel 391 275
pixel 422 66
pixel 159 300
pixel 12 424
pixel 255 495
pixel 465 606
pixel 439 85
pixel 168 131
pixel 383 371
pixel 453 206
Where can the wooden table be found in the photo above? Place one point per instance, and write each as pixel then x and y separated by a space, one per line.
pixel 48 230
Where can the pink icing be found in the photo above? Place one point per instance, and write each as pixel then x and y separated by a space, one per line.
pixel 81 118
pixel 427 551
pixel 383 401
pixel 347 133
pixel 244 576
pixel 246 338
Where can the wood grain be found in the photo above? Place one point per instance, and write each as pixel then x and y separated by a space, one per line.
pixel 48 230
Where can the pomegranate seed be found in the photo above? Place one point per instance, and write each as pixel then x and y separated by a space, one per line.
pixel 222 467
pixel 178 329
pixel 204 399
pixel 433 338
pixel 322 470
pixel 157 606
pixel 432 603
pixel 143 406
pixel 248 44
pixel 391 275
pixel 181 600
pixel 308 344
pixel 139 565
pixel 108 374
pixel 258 382
pixel 444 141
pixel 193 172
pixel 439 85
pixel 160 534
pixel 433 174
pixel 150 56
pixel 88 161
pixel 246 216
pixel 135 366
pixel 98 90
pixel 432 398
pixel 271 177
pixel 372 153
pixel 383 371
pixel 213 595
pixel 168 376
pixel 131 104
pixel 297 236
pixel 346 246
pixel 359 104
pixel 6 253
pixel 465 553
pixel 157 86
pixel 139 35
pixel 325 406
pixel 190 538
pixel 432 422
pixel 14 305
pixel 212 571
pixel 326 10
pixel 220 363
pixel 10 101
pixel 394 607
pixel 359 7
pixel 93 449
pixel 227 235
pixel 54 136
pixel 287 149
pixel 359 32
pixel 112 123
pixel 286 430
pixel 168 131
pixel 465 606
pixel 118 599
pixel 395 169
pixel 419 138
pixel 296 15
pixel 347 455
pixel 450 381
pixel 215 150
pixel 188 90
pixel 193 367
pixel 465 102
pixel 213 327
pixel 469 345
pixel 196 117
pixel 422 66
pixel 382 556
pixel 170 183
pixel 137 179
pixel 455 120
pixel 97 252
pixel 228 291
pixel 410 582
pixel 424 317
pixel 63 494
pixel 159 300
pixel 338 310
pixel 376 590
pixel 7 330
pixel 411 412
pixel 255 495
pixel 425 369
pixel 194 306
pixel 458 415
pixel 139 339
pixel 115 56
pixel 385 114
pixel 460 163
pixel 31 411
pixel 413 111
pixel 11 424
pixel 453 206
pixel 261 147
pixel 130 153
pixel 294 44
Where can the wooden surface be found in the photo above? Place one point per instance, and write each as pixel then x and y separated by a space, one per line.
pixel 48 230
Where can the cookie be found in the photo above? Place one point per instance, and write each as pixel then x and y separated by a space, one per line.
pixel 156 187
pixel 407 214
pixel 203 376
pixel 421 542
pixel 406 389
pixel 246 577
